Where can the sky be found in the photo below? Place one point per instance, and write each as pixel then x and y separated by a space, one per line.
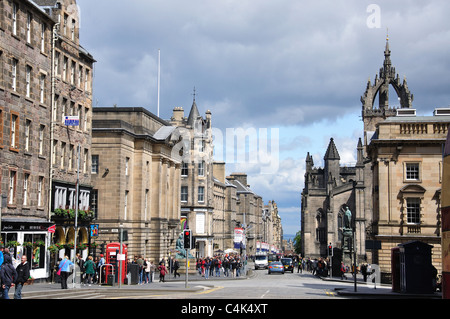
pixel 290 73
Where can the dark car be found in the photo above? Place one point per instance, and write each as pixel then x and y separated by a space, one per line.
pixel 288 264
pixel 276 266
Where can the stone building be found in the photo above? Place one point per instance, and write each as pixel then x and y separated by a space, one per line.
pixel 393 190
pixel 406 158
pixel 70 145
pixel 224 218
pixel 136 176
pixel 197 181
pixel 25 113
pixel 327 193
pixel 249 212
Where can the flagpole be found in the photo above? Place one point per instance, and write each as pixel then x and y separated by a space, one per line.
pixel 159 76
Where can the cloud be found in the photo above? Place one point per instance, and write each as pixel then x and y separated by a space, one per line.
pixel 300 66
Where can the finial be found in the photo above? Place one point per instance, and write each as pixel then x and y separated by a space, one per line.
pixel 195 93
pixel 387 34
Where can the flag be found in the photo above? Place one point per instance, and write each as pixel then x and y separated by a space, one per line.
pixel 51 229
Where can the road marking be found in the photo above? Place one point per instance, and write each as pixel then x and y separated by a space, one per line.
pixel 210 290
pixel 330 293
pixel 265 294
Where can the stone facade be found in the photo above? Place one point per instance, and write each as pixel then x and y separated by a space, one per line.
pixel 394 189
pixel 327 193
pixel 249 211
pixel 70 146
pixel 406 157
pixel 137 180
pixel 197 181
pixel 25 112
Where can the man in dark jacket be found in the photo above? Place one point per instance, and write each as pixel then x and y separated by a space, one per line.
pixel 23 273
pixel 7 275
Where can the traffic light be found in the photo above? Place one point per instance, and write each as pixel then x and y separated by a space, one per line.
pixel 187 235
pixel 330 250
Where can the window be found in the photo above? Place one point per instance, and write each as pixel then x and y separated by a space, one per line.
pixel 413 210
pixel 201 194
pixel 60 197
pixel 15 63
pixel 200 222
pixel 26 178
pixel 14 131
pixel 41 139
pixel 94 166
pixel 86 81
pixel 1 128
pixel 71 156
pixel 74 23
pixel 14 18
pixel 184 193
pixel 184 169
pixel 54 146
pixel 72 73
pixel 42 88
pixel 27 135
pixel 65 63
pixel 201 169
pixel 29 19
pixel 43 37
pixel 125 205
pixel 85 160
pixel 412 171
pixel 12 187
pixel 40 191
pixel 127 162
pixel 28 81
pixel 57 56
pixel 63 153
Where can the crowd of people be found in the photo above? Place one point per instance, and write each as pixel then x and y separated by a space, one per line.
pixel 227 265
pixel 12 276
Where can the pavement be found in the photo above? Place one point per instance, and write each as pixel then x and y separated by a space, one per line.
pixel 198 283
pixel 371 290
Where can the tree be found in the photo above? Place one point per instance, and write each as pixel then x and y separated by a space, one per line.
pixel 298 242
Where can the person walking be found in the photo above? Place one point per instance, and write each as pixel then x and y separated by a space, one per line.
pixel 23 273
pixel 64 271
pixel 89 268
pixel 162 272
pixel 7 275
pixel 176 266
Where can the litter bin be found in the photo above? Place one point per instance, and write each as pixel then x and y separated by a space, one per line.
pixel 133 269
pixel 416 269
pixel 110 281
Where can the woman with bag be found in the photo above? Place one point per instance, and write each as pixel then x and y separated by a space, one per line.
pixel 64 271
pixel 162 272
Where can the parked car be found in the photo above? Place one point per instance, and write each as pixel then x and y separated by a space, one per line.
pixel 288 264
pixel 276 267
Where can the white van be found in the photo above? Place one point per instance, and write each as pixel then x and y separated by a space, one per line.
pixel 261 261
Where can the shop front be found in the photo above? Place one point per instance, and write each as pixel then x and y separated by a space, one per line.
pixel 29 238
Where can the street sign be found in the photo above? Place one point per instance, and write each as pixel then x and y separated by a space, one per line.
pixel 71 120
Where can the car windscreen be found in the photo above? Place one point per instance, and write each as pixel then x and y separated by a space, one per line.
pixel 261 258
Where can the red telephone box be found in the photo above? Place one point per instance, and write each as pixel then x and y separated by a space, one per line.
pixel 112 254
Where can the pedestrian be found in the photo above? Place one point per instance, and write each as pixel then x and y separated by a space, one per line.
pixel 89 268
pixel 80 262
pixel 23 273
pixel 364 271
pixel 176 266
pixel 147 266
pixel 64 271
pixel 140 263
pixel 8 274
pixel 207 266
pixel 1 255
pixel 162 272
